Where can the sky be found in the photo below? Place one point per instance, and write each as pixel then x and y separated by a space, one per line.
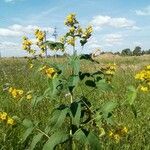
pixel 118 24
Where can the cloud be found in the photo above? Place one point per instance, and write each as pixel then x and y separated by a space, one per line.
pixel 93 43
pixel 143 12
pixel 100 21
pixel 19 30
pixel 10 1
pixel 114 38
pixel 9 45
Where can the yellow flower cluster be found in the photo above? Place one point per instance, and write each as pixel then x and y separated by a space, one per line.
pixel 75 31
pixel 109 69
pixel 71 41
pixel 71 20
pixel 144 77
pixel 48 71
pixel 16 93
pixel 26 45
pixel 87 33
pixel 40 35
pixel 31 66
pixel 118 133
pixel 5 118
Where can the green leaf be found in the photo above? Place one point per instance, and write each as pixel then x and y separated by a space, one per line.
pixel 36 100
pixel 83 75
pixel 57 86
pixel 27 123
pixel 103 85
pixel 90 83
pixel 35 140
pixel 109 107
pixel 88 57
pixel 73 82
pixel 75 109
pixel 134 110
pixel 75 64
pixel 80 136
pixel 58 118
pixel 27 133
pixel 131 95
pixel 93 141
pixel 57 138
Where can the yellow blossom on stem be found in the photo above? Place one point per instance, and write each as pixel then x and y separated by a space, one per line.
pixel 29 97
pixel 144 88
pixel 3 115
pixel 10 121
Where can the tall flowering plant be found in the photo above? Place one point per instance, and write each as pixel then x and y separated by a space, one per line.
pixel 75 122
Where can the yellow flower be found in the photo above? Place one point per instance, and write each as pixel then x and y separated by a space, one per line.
pixel 50 72
pixel 20 92
pixel 29 96
pixel 117 138
pixel 109 72
pixel 102 132
pixel 144 88
pixel 10 89
pixel 14 93
pixel 72 29
pixel 3 115
pixel 110 134
pixel 10 121
pixel 125 130
pixel 148 67
pixel 71 41
pixel 42 68
pixel 31 66
pixel 70 20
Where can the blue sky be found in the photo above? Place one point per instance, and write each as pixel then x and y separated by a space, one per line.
pixel 118 24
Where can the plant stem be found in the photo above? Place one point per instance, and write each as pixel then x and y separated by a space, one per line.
pixel 43 133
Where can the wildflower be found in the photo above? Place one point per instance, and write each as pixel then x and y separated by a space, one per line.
pixel 50 72
pixel 31 66
pixel 10 121
pixel 72 29
pixel 102 132
pixel 124 130
pixel 117 138
pixel 42 68
pixel 3 115
pixel 110 134
pixel 71 20
pixel 144 77
pixel 71 41
pixel 144 88
pixel 148 67
pixel 29 96
pixel 16 93
pixel 109 72
pixel 10 89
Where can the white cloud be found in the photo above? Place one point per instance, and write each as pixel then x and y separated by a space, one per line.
pixel 10 1
pixel 100 21
pixel 143 12
pixel 93 43
pixel 19 30
pixel 113 39
pixel 9 45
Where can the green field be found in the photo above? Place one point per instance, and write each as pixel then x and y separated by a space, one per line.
pixel 16 73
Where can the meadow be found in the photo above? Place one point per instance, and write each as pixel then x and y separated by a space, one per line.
pixel 15 72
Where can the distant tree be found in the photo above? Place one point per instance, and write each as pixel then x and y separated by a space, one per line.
pixel 117 53
pixel 126 52
pixel 137 51
pixel 147 52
